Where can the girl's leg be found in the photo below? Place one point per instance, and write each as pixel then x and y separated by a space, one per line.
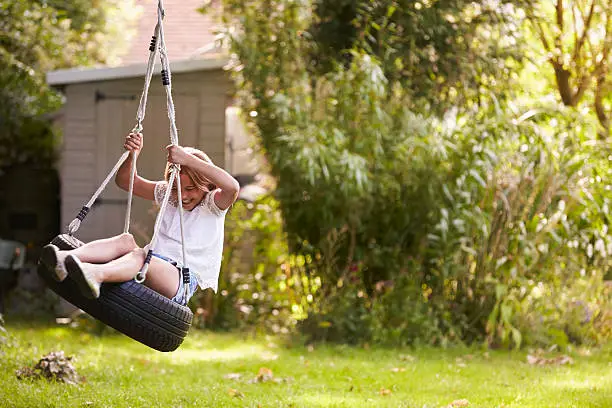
pixel 162 276
pixel 102 250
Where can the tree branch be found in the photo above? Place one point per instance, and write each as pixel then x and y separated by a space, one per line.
pixel 587 25
pixel 602 88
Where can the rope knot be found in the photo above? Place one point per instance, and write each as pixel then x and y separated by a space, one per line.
pixel 153 43
pixel 165 77
pixel 137 128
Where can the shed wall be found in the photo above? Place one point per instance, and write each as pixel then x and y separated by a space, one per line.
pixel 98 115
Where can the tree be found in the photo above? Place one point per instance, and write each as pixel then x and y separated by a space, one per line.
pixel 456 219
pixel 35 37
pixel 445 53
pixel 577 38
pixel 329 89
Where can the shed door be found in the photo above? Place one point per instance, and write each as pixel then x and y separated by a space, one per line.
pixel 115 119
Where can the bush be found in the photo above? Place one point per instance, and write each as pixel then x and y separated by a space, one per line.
pixel 486 225
pixel 261 287
pixel 511 247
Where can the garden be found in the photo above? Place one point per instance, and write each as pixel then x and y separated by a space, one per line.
pixel 435 231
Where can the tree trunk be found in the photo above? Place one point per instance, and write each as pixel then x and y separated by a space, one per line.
pixel 562 76
pixel 602 115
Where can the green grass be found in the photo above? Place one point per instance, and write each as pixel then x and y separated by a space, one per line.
pixel 122 373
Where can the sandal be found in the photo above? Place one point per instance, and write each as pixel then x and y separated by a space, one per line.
pixel 48 258
pixel 89 286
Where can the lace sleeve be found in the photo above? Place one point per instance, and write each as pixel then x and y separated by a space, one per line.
pixel 160 190
pixel 209 202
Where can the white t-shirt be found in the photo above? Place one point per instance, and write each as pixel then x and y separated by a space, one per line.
pixel 203 228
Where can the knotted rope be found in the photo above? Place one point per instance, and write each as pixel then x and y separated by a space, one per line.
pixel 157 44
pixel 140 115
pixel 166 77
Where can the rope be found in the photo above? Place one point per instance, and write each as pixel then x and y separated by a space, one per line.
pixel 140 115
pixel 157 44
pixel 128 210
pixel 76 223
pixel 180 206
pixel 166 77
pixel 142 274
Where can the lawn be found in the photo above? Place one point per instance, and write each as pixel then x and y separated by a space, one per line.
pixel 234 370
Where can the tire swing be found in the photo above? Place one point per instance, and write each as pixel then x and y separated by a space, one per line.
pixel 131 307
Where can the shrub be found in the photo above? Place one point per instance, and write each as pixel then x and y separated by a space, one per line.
pixel 261 287
pixel 511 248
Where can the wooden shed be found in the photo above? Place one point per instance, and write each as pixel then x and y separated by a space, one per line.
pixel 100 109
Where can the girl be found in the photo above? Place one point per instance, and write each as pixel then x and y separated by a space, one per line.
pixel 207 191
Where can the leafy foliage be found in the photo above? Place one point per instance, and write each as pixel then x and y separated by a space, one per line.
pixel 576 37
pixel 460 51
pixel 38 36
pixel 261 287
pixel 471 226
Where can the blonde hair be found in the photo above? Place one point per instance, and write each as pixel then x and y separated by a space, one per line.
pixel 198 179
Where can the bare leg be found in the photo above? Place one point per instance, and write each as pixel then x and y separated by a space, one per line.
pixel 102 250
pixel 162 276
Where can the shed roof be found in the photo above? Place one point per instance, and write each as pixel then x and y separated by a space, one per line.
pixel 189 37
pixel 79 75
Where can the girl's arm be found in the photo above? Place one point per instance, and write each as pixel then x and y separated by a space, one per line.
pixel 142 187
pixel 222 179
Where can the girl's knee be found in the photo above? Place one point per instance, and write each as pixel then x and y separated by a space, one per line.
pixel 138 253
pixel 127 241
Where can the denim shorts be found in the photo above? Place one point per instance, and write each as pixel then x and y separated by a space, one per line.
pixel 181 297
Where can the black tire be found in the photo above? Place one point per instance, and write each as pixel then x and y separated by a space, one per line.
pixel 129 307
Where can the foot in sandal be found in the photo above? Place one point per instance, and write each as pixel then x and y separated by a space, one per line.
pixel 82 277
pixel 51 260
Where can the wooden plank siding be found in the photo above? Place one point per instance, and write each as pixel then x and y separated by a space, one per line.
pixel 77 164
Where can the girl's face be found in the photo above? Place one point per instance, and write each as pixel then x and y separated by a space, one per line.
pixel 190 193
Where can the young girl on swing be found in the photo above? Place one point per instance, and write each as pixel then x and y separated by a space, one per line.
pixel 207 191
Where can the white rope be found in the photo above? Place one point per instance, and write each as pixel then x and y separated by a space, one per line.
pixel 157 44
pixel 128 210
pixel 76 223
pixel 167 82
pixel 180 206
pixel 142 274
pixel 140 114
pixel 163 55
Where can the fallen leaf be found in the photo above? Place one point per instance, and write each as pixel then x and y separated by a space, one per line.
pixel 384 391
pixel 459 403
pixel 539 360
pixel 264 374
pixel 232 392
